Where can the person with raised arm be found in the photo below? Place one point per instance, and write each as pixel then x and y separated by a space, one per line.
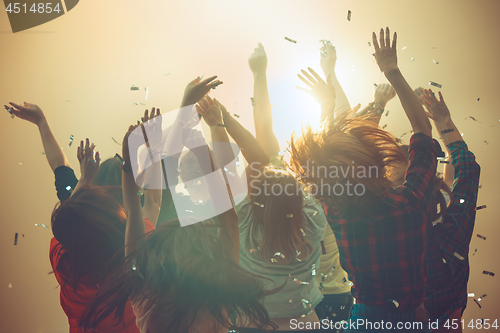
pixel 280 233
pixel 380 230
pixel 447 251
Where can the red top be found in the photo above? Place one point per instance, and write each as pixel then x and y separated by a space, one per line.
pixel 74 304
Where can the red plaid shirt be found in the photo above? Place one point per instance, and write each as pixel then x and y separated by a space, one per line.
pixel 382 246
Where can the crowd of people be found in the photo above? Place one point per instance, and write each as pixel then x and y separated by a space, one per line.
pixel 357 233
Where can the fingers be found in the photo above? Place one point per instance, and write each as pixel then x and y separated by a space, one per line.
pixel 375 43
pixel 382 44
pixel 303 89
pixel 394 39
pixel 17 106
pixel 316 76
pixel 429 114
pixel 313 81
pixel 157 112
pixel 97 159
pixel 307 83
pixel 145 118
pixel 153 113
pixel 441 99
pixel 208 80
pixel 387 37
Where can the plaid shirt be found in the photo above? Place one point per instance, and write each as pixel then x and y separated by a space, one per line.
pixel 447 250
pixel 382 247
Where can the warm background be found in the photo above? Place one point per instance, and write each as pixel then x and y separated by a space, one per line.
pixel 79 68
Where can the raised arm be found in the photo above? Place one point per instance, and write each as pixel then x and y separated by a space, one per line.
pixel 447 131
pixel 131 200
pixel 53 151
pixel 89 164
pixel 328 65
pixel 323 92
pixel 262 111
pixel 383 93
pixel 386 57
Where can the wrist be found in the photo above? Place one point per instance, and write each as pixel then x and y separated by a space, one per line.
pixel 392 72
pixel 260 75
pixel 444 124
pixel 379 103
pixel 42 121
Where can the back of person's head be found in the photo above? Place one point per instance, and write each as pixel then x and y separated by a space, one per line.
pixel 89 225
pixel 349 162
pixel 181 272
pixel 109 174
pixel 277 205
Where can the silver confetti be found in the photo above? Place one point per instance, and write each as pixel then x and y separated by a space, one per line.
pixel 412 59
pixel 147 92
pixel 348 15
pixel 280 255
pixel 134 87
pixel 470 295
pixel 116 141
pixel 432 83
pixel 134 266
pixel 480 298
pixel 297 281
pixel 253 101
pixel 291 40
pixel 41 225
pixel 303 233
pixel 435 62
pixel 481 236
pixel 229 172
pixel 274 260
pixel 458 256
pixel 70 141
pixel 258 204
pixel 69 189
pixel 488 273
pixel 10 286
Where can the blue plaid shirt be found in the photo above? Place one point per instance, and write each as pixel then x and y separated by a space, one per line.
pixel 447 249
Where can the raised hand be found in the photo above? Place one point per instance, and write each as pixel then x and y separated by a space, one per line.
pixel 89 164
pixel 258 60
pixel 383 94
pixel 328 62
pixel 437 109
pixel 29 112
pixel 419 92
pixel 197 89
pixel 322 91
pixel 385 54
pixel 210 111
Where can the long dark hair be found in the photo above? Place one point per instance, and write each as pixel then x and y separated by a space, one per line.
pixel 280 214
pixel 89 225
pixel 181 271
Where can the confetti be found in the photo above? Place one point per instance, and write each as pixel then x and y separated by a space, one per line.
pixel 21 163
pixel 253 101
pixel 323 248
pixel 274 260
pixel 15 238
pixel 139 104
pixel 462 200
pixel 458 256
pixel 444 261
pixel 236 115
pixel 147 92
pixel 387 113
pixel 412 59
pixel 252 250
pixel 404 47
pixel 444 162
pixel 289 216
pixel 393 301
pixel 216 84
pixel 297 281
pixel 477 303
pixel 134 87
pixel 280 255
pixel 348 15
pixel 289 301
pixel 486 142
pixel 383 127
pixel 474 252
pixel 303 233
pixel 481 236
pixel 432 83
pixel 258 204
pixel 488 273
pixel 481 207
pixel 376 85
pixel 291 40
pixel 41 225
pixel 321 286
pixel 470 295
pixel 369 44
pixel 480 298
pixel 69 189
pixel 316 212
pixel 10 285
pixel 167 74
pixel 134 264
pixel 313 268
pixel 478 99
pixel 116 142
pixel 353 68
pixel 435 62
pixel 70 140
